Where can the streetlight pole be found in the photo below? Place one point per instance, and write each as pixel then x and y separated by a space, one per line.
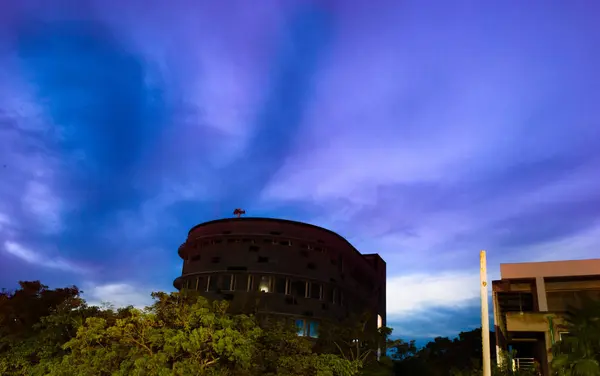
pixel 485 315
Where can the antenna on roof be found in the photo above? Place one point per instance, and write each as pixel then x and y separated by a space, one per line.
pixel 238 212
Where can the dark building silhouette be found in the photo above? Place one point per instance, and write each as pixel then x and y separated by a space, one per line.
pixel 274 266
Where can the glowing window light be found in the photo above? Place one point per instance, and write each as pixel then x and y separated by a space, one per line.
pixel 264 284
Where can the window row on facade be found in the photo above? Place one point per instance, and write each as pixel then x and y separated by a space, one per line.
pixel 266 284
pixel 266 241
pixel 254 246
pixel 304 252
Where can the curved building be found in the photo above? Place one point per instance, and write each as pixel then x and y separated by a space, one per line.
pixel 283 267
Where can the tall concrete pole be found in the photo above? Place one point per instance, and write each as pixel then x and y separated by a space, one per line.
pixel 485 315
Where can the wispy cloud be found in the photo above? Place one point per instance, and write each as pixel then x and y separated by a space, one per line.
pixel 43 204
pixel 38 259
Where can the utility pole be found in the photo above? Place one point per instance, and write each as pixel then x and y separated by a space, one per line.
pixel 485 315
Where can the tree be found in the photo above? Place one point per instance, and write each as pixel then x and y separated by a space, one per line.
pixel 400 349
pixel 34 323
pixel 352 338
pixel 578 354
pixel 180 334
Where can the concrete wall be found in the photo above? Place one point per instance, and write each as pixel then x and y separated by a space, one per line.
pixel 550 269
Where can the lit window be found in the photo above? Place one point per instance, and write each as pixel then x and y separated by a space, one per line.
pixel 379 321
pixel 307 328
pixel 313 329
pixel 264 284
pixel 300 325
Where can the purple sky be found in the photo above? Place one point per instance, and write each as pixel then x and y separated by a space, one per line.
pixel 424 131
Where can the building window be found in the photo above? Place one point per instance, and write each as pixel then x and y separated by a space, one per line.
pixel 216 260
pixel 311 266
pixel 313 329
pixel 265 284
pixel 379 321
pixel 200 284
pixel 196 258
pixel 237 268
pixel 253 248
pixel 263 259
pixel 250 282
pixel 562 335
pixel 334 293
pixel 213 283
pixel 299 289
pixel 226 282
pixel 285 242
pixel 240 282
pixel 282 286
pixel 316 291
pixel 307 328
pixel 301 326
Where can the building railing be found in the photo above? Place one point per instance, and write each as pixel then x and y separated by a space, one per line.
pixel 522 364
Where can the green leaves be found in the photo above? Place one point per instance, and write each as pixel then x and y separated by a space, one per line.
pixel 180 334
pixel 578 354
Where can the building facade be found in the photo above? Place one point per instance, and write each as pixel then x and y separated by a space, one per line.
pixel 529 304
pixel 293 269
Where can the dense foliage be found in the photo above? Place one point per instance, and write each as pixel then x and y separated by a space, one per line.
pixel 579 353
pixel 53 332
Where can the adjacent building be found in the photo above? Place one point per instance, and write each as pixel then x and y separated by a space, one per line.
pixel 529 302
pixel 280 267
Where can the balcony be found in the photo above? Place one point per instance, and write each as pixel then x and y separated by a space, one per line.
pixel 531 321
pixel 524 364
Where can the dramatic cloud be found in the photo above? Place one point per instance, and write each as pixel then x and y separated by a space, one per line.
pixel 423 132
